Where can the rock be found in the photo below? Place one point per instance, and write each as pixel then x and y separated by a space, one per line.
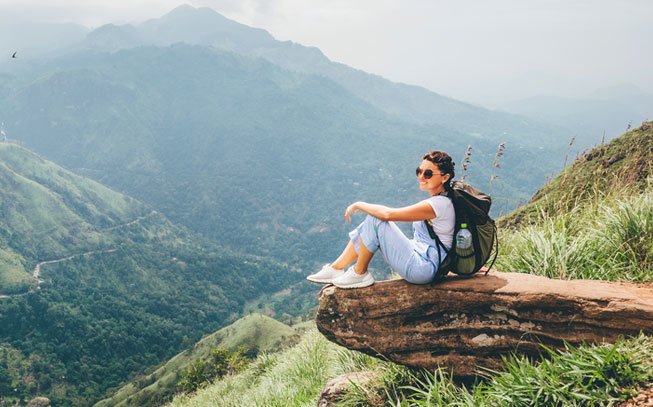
pixel 336 387
pixel 462 324
pixel 39 402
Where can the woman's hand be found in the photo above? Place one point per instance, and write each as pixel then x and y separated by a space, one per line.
pixel 351 209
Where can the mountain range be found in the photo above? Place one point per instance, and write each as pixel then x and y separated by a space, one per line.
pixel 243 150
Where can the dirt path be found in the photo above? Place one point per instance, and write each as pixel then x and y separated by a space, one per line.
pixel 37 270
pixel 140 218
pixel 36 273
pixel 643 399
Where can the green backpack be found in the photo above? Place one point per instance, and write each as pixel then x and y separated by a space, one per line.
pixel 472 208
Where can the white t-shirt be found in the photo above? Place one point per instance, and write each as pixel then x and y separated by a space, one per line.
pixel 443 223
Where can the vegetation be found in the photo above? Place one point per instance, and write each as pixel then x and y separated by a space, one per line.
pixel 247 337
pixel 125 288
pixel 586 376
pixel 293 377
pixel 593 221
pixel 609 240
pixel 221 362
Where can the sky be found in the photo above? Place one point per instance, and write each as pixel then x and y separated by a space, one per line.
pixel 486 52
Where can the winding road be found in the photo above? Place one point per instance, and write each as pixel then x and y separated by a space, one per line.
pixel 37 270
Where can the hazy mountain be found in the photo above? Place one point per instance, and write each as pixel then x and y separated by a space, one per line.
pixel 204 26
pixel 238 148
pixel 604 113
pixel 95 286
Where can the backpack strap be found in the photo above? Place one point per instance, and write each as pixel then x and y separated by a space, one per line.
pixel 496 249
pixel 438 242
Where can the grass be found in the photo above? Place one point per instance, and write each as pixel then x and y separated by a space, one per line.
pixel 591 375
pixel 253 331
pixel 293 377
pixel 606 240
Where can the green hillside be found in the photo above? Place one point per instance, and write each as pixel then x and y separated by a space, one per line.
pixel 588 376
pixel 48 212
pixel 256 332
pixel 594 220
pixel 120 287
pixel 620 168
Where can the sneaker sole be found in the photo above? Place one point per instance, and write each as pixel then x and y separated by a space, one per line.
pixel 357 285
pixel 320 280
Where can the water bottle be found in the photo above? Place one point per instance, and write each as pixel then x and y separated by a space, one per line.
pixel 466 260
pixel 463 237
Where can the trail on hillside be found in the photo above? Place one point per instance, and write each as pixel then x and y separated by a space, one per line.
pixel 36 273
pixel 140 218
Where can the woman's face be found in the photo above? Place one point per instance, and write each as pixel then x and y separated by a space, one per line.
pixel 433 185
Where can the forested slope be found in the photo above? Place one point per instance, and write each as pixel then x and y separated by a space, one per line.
pixel 123 287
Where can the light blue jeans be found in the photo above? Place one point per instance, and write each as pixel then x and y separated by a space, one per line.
pixel 398 251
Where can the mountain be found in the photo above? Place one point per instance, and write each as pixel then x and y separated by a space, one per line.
pixel 256 332
pixel 96 285
pixel 237 148
pixel 204 26
pixel 600 115
pixel 48 212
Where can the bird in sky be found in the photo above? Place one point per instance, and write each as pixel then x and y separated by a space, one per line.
pixel 14 55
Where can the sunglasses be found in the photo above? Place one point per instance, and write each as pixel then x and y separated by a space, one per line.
pixel 427 173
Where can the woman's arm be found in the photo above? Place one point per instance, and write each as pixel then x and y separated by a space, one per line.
pixel 419 211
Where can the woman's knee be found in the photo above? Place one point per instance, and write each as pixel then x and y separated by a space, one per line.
pixel 371 219
pixel 375 222
pixel 420 273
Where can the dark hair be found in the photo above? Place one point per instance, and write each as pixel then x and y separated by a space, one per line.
pixel 444 163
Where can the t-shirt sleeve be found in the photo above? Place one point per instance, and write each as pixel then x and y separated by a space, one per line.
pixel 438 204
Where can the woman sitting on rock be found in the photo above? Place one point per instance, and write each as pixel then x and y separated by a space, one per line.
pixel 417 259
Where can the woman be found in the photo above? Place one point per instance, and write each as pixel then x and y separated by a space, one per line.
pixel 415 260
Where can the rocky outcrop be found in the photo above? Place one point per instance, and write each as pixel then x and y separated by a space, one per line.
pixel 338 386
pixel 39 402
pixel 462 324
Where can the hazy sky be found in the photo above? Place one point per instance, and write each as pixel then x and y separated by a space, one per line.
pixel 482 51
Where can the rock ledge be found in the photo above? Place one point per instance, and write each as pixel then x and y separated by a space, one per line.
pixel 466 323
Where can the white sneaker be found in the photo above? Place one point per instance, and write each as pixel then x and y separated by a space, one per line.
pixel 325 275
pixel 351 279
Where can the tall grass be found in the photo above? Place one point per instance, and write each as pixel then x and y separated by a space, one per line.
pixel 592 375
pixel 597 375
pixel 294 377
pixel 605 239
